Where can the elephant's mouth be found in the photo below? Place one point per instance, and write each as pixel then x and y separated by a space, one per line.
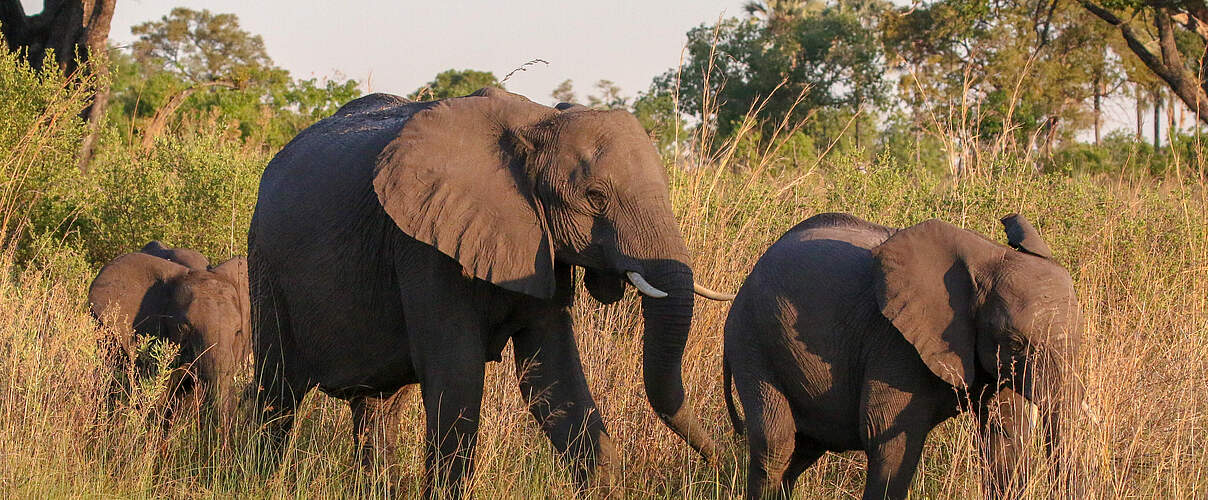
pixel 604 287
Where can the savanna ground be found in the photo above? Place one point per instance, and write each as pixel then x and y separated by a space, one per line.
pixel 1136 245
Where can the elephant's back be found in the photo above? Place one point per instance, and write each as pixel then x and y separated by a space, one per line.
pixel 825 255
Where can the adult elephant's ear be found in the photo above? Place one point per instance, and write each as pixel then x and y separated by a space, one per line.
pixel 1025 238
pixel 925 285
pixel 455 179
pixel 134 291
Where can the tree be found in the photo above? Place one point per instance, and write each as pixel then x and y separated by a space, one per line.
pixel 200 46
pixel 201 63
pixel 779 15
pixel 77 32
pixel 829 58
pixel 608 96
pixel 205 50
pixel 564 92
pixel 455 83
pixel 1016 73
pixel 1174 47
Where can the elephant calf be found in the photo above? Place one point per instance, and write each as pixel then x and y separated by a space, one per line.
pixel 202 309
pixel 849 335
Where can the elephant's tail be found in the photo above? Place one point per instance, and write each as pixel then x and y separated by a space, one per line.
pixel 728 381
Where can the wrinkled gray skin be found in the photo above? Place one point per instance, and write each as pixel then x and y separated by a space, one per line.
pixel 191 259
pixel 849 335
pixel 403 242
pixel 205 312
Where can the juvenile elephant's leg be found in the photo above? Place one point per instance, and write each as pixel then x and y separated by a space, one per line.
pixel 375 426
pixel 807 452
pixel 770 436
pixel 554 388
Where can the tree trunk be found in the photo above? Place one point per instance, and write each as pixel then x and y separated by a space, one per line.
pixel 1140 113
pixel 1167 63
pixel 1157 120
pixel 77 32
pixel 1098 106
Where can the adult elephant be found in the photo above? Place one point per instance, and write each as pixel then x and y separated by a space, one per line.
pixel 402 242
pixel 850 335
pixel 206 313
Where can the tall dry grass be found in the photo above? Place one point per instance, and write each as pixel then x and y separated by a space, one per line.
pixel 1137 247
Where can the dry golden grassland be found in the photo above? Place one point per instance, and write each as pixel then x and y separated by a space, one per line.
pixel 1138 250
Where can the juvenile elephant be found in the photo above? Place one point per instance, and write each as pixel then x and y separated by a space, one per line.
pixel 402 242
pixel 849 335
pixel 205 312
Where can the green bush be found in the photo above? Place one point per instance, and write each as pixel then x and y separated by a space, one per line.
pixel 196 191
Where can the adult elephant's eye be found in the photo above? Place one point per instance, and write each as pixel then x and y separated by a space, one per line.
pixel 1015 344
pixel 597 199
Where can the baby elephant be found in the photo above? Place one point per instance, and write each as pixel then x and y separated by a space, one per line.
pixel 849 335
pixel 204 310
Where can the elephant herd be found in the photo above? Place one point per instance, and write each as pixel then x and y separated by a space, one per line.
pixel 398 243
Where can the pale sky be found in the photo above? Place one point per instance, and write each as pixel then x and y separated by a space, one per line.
pixel 397 46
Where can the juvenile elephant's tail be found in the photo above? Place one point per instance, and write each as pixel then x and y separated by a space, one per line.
pixel 728 381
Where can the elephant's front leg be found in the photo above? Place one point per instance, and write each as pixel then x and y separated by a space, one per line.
pixel 452 371
pixel 555 390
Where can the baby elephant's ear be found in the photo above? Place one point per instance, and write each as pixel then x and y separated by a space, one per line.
pixel 134 291
pixel 925 287
pixel 1023 237
pixel 235 271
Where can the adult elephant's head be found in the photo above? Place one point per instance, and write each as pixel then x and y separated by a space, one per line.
pixel 982 314
pixel 518 193
pixel 205 312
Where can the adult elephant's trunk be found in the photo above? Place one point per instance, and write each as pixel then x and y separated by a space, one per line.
pixel 667 322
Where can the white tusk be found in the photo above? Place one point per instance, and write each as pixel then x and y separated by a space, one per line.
pixel 712 294
pixel 1034 415
pixel 640 283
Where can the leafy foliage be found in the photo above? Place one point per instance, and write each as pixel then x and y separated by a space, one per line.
pixel 210 67
pixel 828 58
pixel 455 83
pixel 200 46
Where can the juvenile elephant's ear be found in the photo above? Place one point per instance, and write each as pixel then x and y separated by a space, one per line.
pixel 191 259
pixel 134 291
pixel 570 106
pixel 926 287
pixel 454 178
pixel 235 271
pixel 1025 238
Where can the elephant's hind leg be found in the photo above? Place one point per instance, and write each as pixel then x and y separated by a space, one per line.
pixel 276 397
pixel 807 452
pixel 771 438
